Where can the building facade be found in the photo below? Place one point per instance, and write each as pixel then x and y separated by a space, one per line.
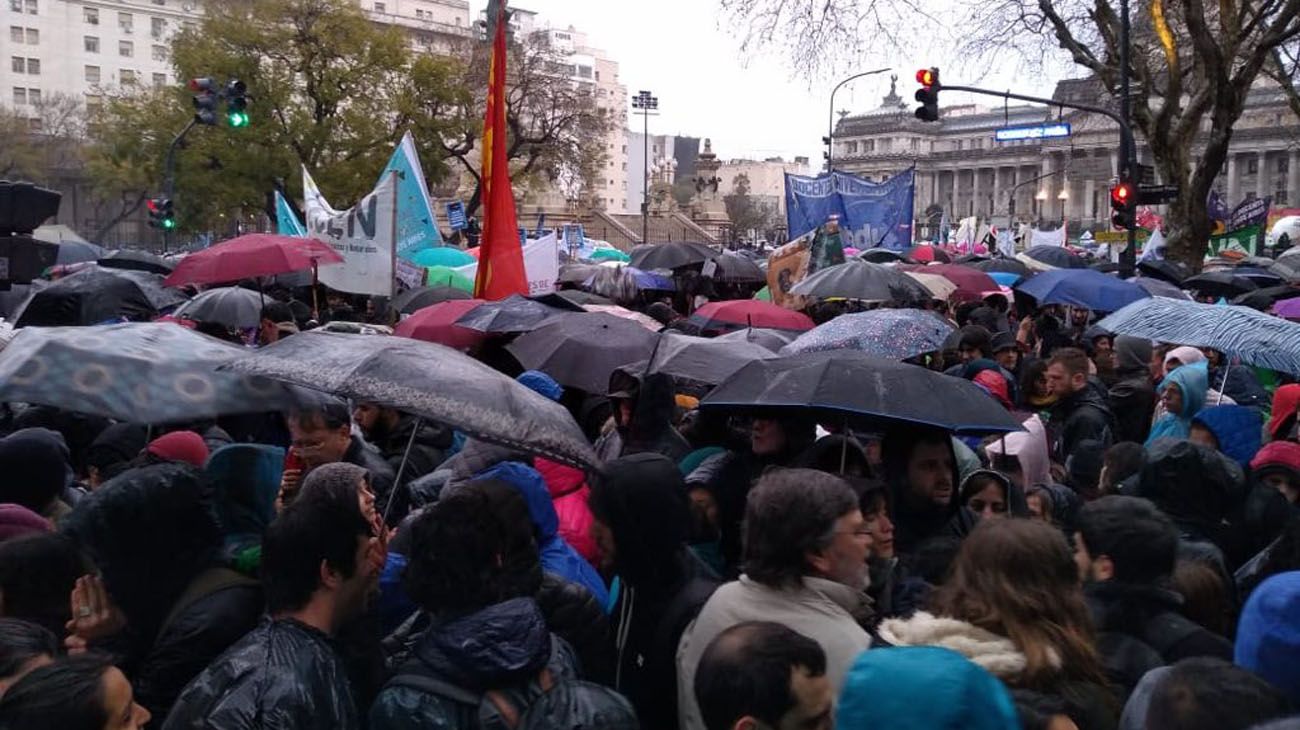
pixel 961 170
pixel 766 178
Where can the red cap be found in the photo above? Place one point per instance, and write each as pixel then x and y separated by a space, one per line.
pixel 184 446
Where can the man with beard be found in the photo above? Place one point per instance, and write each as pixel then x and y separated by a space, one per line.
pixel 390 431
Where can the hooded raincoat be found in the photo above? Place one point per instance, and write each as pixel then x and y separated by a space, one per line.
pixel 1191 383
pixel 923 688
pixel 1029 447
pixel 1237 429
pixel 1133 396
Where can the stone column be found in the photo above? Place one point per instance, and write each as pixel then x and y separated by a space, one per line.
pixel 1090 205
pixel 975 192
pixel 1234 183
pixel 1261 180
pixel 997 206
pixel 1293 179
pixel 953 214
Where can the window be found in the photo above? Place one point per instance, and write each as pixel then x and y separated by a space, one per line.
pixel 92 44
pixel 31 7
pixel 33 36
pixel 160 79
pixel 1283 164
pixel 160 3
pixel 125 49
pixel 20 96
pixel 624 165
pixel 16 5
pixel 16 33
pixel 94 101
pixel 92 74
pixel 126 76
pixel 419 14
pixel 381 8
pixel 160 53
pixel 157 27
pixel 625 149
pixel 33 96
pixel 33 67
pixel 19 64
pixel 1252 166
pixel 126 22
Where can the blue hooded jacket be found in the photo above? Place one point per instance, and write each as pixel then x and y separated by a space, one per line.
pixel 557 556
pixel 1192 382
pixel 1236 428
pixel 1268 635
pixel 923 688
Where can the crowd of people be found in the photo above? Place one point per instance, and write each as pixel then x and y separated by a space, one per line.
pixel 1130 559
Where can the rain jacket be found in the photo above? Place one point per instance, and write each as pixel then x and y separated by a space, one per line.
pixel 1268 636
pixel 430 448
pixel 284 675
pixel 1016 504
pixel 1081 416
pixel 569 490
pixel 1237 429
pixel 557 555
pixel 1133 397
pixel 1030 449
pixel 824 611
pixel 1191 382
pixel 1237 381
pixel 642 500
pixel 1282 418
pixel 651 428
pixel 1063 504
pixel 245 482
pixel 923 688
pixel 501 647
pixel 1197 488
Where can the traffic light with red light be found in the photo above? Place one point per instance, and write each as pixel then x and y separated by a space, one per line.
pixel 1123 201
pixel 928 94
pixel 162 213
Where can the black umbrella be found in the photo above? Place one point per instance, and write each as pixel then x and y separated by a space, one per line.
pixel 75 252
pixel 1009 266
pixel 738 270
pixel 1261 276
pixel 850 385
pixel 1223 283
pixel 671 255
pixel 231 306
pixel 769 339
pixel 427 380
pixel 1160 288
pixel 857 279
pixel 881 256
pixel 97 295
pixel 553 299
pixel 970 258
pixel 1057 256
pixel 1170 271
pixel 513 314
pixel 702 360
pixel 411 300
pixel 1105 267
pixel 582 350
pixel 581 298
pixel 133 260
pixel 1263 299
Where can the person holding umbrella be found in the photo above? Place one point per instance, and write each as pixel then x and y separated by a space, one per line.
pixel 321 433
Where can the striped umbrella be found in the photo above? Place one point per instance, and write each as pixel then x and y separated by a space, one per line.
pixel 1256 338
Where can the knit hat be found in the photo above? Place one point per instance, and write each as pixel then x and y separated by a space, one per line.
pixel 16 520
pixel 184 446
pixel 1277 455
pixel 1268 636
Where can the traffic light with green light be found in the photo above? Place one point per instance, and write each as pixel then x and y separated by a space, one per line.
pixel 162 213
pixel 237 104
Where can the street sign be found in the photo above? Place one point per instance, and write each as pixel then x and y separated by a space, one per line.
pixel 1035 131
pixel 1156 194
pixel 456 215
pixel 1118 236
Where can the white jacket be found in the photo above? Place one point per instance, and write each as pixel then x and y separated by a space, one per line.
pixel 820 609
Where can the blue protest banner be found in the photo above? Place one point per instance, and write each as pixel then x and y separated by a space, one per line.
pixel 286 220
pixel 456 215
pixel 871 214
pixel 416 226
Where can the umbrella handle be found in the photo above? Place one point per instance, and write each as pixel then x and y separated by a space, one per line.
pixel 397 480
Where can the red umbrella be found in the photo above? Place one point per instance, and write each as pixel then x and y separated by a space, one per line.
pixel 928 254
pixel 437 323
pixel 250 257
pixel 721 317
pixel 971 283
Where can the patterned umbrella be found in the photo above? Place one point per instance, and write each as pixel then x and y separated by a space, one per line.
pixel 733 314
pixel 1083 288
pixel 144 372
pixel 891 334
pixel 857 279
pixel 851 385
pixel 428 380
pixel 231 306
pixel 1255 337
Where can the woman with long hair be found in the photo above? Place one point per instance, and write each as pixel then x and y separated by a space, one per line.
pixel 1013 605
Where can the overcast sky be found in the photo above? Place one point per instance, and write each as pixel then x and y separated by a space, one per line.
pixel 750 107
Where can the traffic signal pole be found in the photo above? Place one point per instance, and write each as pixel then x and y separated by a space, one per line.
pixel 169 182
pixel 830 116
pixel 1128 155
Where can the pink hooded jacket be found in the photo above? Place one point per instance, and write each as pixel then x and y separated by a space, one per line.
pixel 569 490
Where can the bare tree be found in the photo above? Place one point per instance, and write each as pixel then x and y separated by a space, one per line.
pixel 1192 65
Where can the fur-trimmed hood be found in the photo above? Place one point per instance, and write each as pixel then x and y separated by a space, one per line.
pixel 995 653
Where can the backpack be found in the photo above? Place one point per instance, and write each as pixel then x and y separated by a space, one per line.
pixel 546 703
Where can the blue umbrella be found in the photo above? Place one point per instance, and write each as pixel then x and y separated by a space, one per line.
pixel 891 334
pixel 643 279
pixel 1255 337
pixel 1005 278
pixel 1083 288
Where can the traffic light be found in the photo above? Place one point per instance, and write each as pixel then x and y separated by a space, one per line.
pixel 826 154
pixel 236 104
pixel 162 213
pixel 1123 201
pixel 205 100
pixel 928 94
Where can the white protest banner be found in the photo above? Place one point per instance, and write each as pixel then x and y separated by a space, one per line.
pixel 541 264
pixel 1049 238
pixel 363 234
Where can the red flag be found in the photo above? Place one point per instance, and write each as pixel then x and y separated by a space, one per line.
pixel 501 257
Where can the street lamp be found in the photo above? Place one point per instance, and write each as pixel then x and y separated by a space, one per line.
pixel 646 104
pixel 830 117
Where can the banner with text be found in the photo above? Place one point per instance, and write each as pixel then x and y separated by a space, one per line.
pixel 871 214
pixel 363 234
pixel 1251 212
pixel 417 227
pixel 1244 241
pixel 541 264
